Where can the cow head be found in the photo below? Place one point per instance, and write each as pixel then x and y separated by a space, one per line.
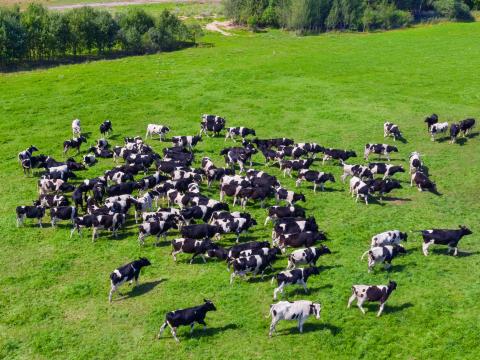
pixel 315 309
pixel 330 177
pixel 299 197
pixel 319 236
pixel 324 250
pixel 208 305
pixel 349 154
pixel 392 285
pixel 143 262
pixel 399 249
pixel 403 236
pixel 219 253
pixel 391 148
pixel 465 230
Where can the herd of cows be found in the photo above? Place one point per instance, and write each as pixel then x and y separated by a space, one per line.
pixel 104 203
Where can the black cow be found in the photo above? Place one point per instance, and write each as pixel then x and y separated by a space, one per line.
pixel 200 231
pixel 291 277
pixel 444 237
pixel 232 132
pixel 128 272
pixel 192 246
pixel 454 131
pixel 187 317
pixel 62 213
pixel 318 178
pixel 30 212
pixel 74 143
pixel 106 127
pixel 277 212
pixel 300 239
pixel 123 188
pixel 430 120
pixel 337 154
pixel 383 186
pixel 422 182
pixel 467 125
pixel 292 225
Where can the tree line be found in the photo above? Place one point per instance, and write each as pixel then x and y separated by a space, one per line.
pixel 306 16
pixel 38 35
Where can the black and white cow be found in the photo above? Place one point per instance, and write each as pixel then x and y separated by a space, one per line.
pixel 235 251
pixel 379 149
pixel 444 237
pixel 186 141
pixel 122 189
pixel 454 131
pixel 382 255
pixel 187 317
pixel 89 159
pixel 294 225
pixel 311 148
pixel 192 246
pixel 415 162
pixel 27 154
pixel 359 171
pixel 213 123
pixel 299 310
pixel 293 277
pixel 379 293
pixel 277 212
pixel 438 128
pixel 50 201
pixel 253 264
pixel 385 169
pixel 155 228
pixel 236 225
pixel 358 188
pixel 128 272
pixel 308 256
pixel 200 231
pixel 466 126
pixel 383 186
pixel 266 251
pixel 76 128
pixel 296 165
pixel 30 212
pixel 337 154
pixel 196 212
pixel 106 128
pixel 300 239
pixel 74 143
pixel 33 162
pixel 107 222
pixel 238 155
pixel 46 186
pixel 390 129
pixel 289 196
pixel 430 120
pixel 157 129
pixel 423 182
pixel 391 237
pixel 62 213
pixel 82 222
pixel 243 132
pixel 316 177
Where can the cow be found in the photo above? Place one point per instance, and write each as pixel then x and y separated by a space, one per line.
pixel 444 237
pixel 438 128
pixel 62 213
pixel 311 148
pixel 74 143
pixel 382 186
pixel 63 175
pixel 157 129
pixel 466 126
pixel 385 169
pixel 391 237
pixel 76 128
pixel 254 264
pixel 108 222
pixel 379 149
pixel 200 231
pixel 236 225
pixel 299 310
pixel 265 251
pixel 51 200
pixel 293 277
pixel 337 154
pixel 187 317
pixel 390 129
pixel 30 212
pixel 379 293
pixel 293 225
pixel 359 189
pixel 308 256
pixel 243 132
pixel 359 171
pixel 89 160
pixel 277 212
pixel 192 246
pixel 235 251
pixel 238 155
pixel 255 193
pixel 106 128
pixel 318 178
pixel 122 188
pixel 454 131
pixel 430 120
pixel 186 141
pixel 423 182
pixel 212 123
pixel 46 186
pixel 26 154
pixel 289 196
pixel 157 228
pixel 297 240
pixel 415 162
pixel 32 162
pixel 382 254
pixel 128 272
pixel 82 222
pixel 288 165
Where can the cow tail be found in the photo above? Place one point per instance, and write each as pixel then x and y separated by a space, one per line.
pixel 271 281
pixel 270 312
pixel 365 253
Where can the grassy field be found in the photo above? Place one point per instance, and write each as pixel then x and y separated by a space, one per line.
pixel 336 90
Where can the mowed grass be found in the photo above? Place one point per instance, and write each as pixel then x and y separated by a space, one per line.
pixel 336 90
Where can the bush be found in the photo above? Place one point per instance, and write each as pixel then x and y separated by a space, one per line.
pixel 453 9
pixel 13 37
pixel 385 16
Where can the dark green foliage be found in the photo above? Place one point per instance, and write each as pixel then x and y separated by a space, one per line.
pixel 453 9
pixel 385 16
pixel 13 37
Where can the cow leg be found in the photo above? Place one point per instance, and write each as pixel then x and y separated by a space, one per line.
pixel 277 290
pixel 380 310
pixel 351 300
pixel 301 320
pixel 94 233
pixel 174 332
pixel 53 221
pixel 266 220
pixel 360 303
pixel 304 286
pixel 232 276
pixel 193 257
pixel 162 329
pixel 387 266
pixel 272 326
pixel 298 182
pixel 315 187
pixel 40 222
pixel 425 247
pixel 141 240
pixel 112 290
pixel 174 254
pixel 455 251
pixel 366 199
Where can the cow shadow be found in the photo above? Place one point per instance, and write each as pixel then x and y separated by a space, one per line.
pixel 392 309
pixel 211 331
pixel 144 288
pixel 472 135
pixel 443 139
pixel 402 140
pixel 467 253
pixel 444 251
pixel 311 326
pixel 328 267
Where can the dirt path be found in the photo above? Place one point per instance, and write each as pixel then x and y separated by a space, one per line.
pixel 126 3
pixel 219 26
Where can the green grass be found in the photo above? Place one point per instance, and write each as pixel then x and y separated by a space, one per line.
pixel 336 90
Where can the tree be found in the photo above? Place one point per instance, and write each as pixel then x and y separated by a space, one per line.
pixel 107 29
pixel 133 24
pixel 35 21
pixel 13 37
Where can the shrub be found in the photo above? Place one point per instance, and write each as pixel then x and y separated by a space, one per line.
pixel 13 38
pixel 453 9
pixel 385 16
